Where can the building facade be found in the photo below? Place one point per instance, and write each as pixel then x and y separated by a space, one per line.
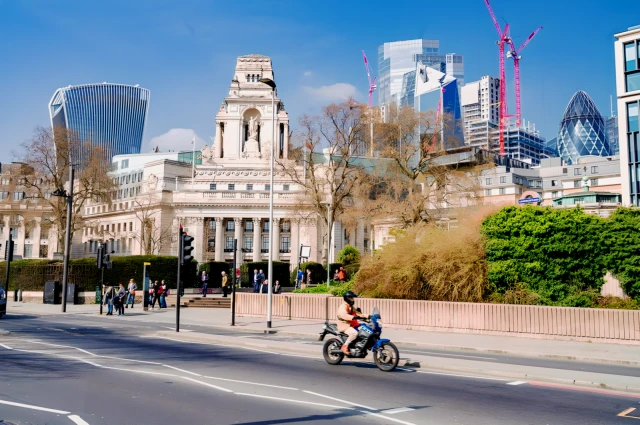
pixel 480 110
pixel 112 116
pixel 582 131
pixel 627 54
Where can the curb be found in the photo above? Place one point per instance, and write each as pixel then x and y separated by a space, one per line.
pixel 296 348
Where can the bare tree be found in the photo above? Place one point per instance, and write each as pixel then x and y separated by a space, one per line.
pixel 328 168
pixel 44 167
pixel 151 235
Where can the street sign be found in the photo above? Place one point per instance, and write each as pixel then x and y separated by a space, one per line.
pixel 529 201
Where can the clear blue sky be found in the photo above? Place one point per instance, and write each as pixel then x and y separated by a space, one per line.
pixel 185 52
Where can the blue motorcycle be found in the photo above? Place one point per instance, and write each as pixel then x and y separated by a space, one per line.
pixel 385 353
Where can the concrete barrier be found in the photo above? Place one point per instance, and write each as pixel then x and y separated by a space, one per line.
pixel 525 320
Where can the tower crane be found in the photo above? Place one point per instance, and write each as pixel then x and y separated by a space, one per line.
pixel 515 55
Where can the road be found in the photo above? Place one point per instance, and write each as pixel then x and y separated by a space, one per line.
pixel 91 370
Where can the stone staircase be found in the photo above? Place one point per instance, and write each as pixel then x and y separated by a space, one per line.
pixel 201 302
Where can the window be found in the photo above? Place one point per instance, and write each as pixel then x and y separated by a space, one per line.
pixel 577 172
pixel 248 242
pixel 128 179
pixel 249 187
pixel 265 243
pixel 594 182
pixel 632 117
pixel 232 187
pixel 125 164
pixel 265 226
pixel 47 195
pixel 14 233
pixel 213 186
pixel 248 226
pixel 503 179
pixel 594 169
pixel 18 196
pixel 231 226
pixel 487 192
pixel 487 181
pixel 503 191
pixel 5 181
pixel 286 226
pixel 554 194
pixel 211 243
pixel 28 250
pixel 4 195
pixel 538 184
pixel 212 225
pixel 115 165
pixel 564 171
pixel 632 72
pixel 44 251
pixel 285 187
pixel 285 244
pixel 576 183
pixel 140 176
pixel 555 183
pixel 267 187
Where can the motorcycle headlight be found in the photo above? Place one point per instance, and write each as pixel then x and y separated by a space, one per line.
pixel 324 327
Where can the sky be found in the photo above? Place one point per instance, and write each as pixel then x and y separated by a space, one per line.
pixel 185 52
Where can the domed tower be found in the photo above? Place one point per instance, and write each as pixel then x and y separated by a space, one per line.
pixel 582 130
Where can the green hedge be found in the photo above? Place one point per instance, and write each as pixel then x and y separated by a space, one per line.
pixel 214 269
pixel 280 272
pixel 318 272
pixel 351 270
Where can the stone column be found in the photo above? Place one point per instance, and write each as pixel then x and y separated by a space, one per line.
pixel 5 230
pixel 295 242
pixel 275 243
pixel 285 148
pixel 238 234
pixel 257 240
pixel 360 236
pixel 218 142
pixel 35 241
pixel 196 228
pixel 219 239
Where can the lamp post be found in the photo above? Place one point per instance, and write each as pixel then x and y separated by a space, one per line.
pixel 328 203
pixel 272 84
pixel 67 238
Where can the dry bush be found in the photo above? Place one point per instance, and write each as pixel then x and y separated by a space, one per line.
pixel 428 263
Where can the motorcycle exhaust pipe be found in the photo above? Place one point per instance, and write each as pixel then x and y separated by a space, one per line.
pixel 336 352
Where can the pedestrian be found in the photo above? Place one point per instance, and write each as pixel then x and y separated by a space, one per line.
pixel 132 293
pixel 336 275
pixel 163 294
pixel 256 281
pixel 261 277
pixel 225 284
pixel 277 288
pixel 342 275
pixel 156 295
pixel 150 300
pixel 205 281
pixel 309 280
pixel 119 299
pixel 264 288
pixel 108 299
pixel 299 278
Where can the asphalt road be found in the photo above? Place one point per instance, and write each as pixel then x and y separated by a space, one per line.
pixel 93 371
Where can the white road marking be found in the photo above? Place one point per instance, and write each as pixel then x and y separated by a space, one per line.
pixel 181 370
pixel 92 354
pixel 340 400
pixel 516 383
pixel 251 383
pixel 295 401
pixel 173 329
pixel 447 354
pixel 398 410
pixel 32 407
pixel 77 419
pixel 462 376
pixel 6 346
pixel 386 418
pixel 207 384
pixel 218 345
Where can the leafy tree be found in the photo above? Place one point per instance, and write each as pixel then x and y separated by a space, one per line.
pixel 348 255
pixel 620 246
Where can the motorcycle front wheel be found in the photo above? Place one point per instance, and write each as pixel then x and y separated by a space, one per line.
pixel 386 357
pixel 332 344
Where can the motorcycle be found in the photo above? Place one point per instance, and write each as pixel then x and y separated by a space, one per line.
pixel 385 353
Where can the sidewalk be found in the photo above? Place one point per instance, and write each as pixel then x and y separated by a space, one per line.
pixel 598 352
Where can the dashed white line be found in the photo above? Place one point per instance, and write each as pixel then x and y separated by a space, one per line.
pixel 206 384
pixel 486 378
pixel 398 410
pixel 32 407
pixel 181 370
pixel 386 418
pixel 6 346
pixel 251 383
pixel 341 401
pixel 77 419
pixel 516 383
pixel 295 401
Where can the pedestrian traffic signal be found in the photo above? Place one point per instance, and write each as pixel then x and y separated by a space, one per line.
pixel 8 251
pixel 185 255
pixel 99 256
pixel 106 261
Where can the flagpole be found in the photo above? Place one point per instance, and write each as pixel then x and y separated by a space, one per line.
pixel 193 161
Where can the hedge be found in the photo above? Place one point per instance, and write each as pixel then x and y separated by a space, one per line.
pixel 318 272
pixel 214 269
pixel 280 272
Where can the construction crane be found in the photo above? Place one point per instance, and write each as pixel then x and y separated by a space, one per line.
pixel 372 84
pixel 503 37
pixel 515 55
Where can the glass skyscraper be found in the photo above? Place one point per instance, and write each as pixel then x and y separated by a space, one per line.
pixel 582 130
pixel 112 116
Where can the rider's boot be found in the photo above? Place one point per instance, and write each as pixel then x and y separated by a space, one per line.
pixel 345 349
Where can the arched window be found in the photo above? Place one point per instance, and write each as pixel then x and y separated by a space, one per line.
pixel 253 78
pixel 248 76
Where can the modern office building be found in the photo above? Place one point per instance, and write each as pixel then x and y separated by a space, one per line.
pixel 583 130
pixel 112 116
pixel 480 110
pixel 611 124
pixel 627 54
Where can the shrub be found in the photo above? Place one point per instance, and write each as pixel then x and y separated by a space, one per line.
pixel 214 269
pixel 320 289
pixel 318 272
pixel 349 255
pixel 162 267
pixel 280 272
pixel 619 242
pixel 351 270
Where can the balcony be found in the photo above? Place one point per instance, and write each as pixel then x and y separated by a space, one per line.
pixel 241 196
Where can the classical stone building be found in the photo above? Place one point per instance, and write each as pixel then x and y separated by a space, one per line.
pixel 221 196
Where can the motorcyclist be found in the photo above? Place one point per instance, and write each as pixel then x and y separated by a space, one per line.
pixel 347 319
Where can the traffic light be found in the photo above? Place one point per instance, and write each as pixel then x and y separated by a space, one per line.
pixel 99 256
pixel 106 261
pixel 8 251
pixel 185 255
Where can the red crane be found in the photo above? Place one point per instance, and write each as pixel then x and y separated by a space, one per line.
pixel 503 37
pixel 372 84
pixel 515 55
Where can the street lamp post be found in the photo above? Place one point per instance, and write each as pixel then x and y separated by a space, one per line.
pixel 272 84
pixel 328 203
pixel 67 237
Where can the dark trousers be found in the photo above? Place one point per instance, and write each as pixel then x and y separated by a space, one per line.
pixel 204 289
pixel 121 308
pixel 156 297
pixel 225 291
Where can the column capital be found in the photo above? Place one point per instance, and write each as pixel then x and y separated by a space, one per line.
pixel 237 220
pixel 276 220
pixel 256 219
pixel 218 219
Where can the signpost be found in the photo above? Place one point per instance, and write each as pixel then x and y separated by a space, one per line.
pixel 103 261
pixel 529 201
pixel 146 280
pixel 233 283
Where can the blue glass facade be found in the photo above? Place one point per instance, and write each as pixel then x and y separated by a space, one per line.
pixel 582 130
pixel 112 116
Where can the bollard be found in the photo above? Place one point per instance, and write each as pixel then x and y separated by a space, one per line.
pixel 15 295
pixel 19 295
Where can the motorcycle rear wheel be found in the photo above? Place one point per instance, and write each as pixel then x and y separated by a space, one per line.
pixel 330 345
pixel 386 357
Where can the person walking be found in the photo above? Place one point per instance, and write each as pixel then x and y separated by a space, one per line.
pixel 132 293
pixel 156 295
pixel 342 275
pixel 256 281
pixel 225 284
pixel 108 300
pixel 264 288
pixel 163 294
pixel 309 280
pixel 205 282
pixel 277 288
pixel 120 299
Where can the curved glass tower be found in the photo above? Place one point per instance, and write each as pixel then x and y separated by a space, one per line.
pixel 582 130
pixel 112 116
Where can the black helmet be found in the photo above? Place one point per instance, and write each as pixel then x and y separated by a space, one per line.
pixel 349 296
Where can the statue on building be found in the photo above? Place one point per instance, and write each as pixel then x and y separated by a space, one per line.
pixel 206 153
pixel 252 146
pixel 253 128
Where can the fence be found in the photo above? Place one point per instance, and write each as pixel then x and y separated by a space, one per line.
pixel 460 317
